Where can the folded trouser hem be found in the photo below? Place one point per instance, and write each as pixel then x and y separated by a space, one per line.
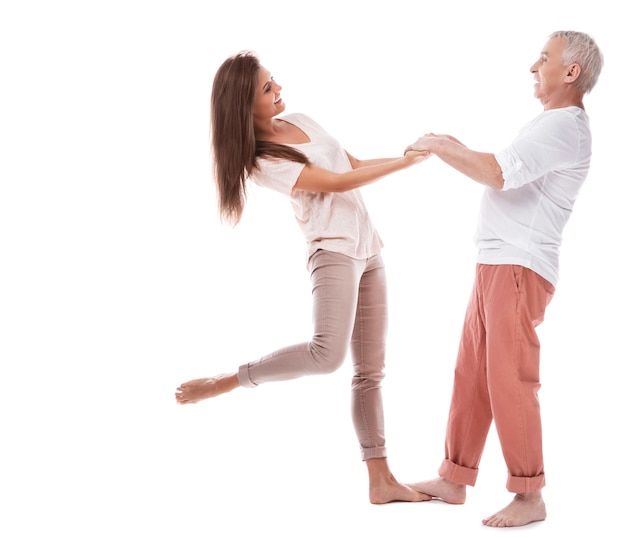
pixel 520 485
pixel 373 453
pixel 458 474
pixel 243 377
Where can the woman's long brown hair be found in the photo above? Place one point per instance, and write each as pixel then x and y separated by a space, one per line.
pixel 235 149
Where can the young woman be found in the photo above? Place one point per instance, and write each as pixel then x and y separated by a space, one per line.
pixel 294 156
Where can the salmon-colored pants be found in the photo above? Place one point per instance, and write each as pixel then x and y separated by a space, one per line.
pixel 349 310
pixel 497 378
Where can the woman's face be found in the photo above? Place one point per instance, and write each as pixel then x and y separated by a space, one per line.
pixel 267 103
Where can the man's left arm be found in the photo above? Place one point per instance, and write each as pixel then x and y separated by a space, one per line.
pixel 481 167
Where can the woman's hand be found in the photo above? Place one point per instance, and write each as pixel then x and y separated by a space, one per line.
pixel 431 142
pixel 414 156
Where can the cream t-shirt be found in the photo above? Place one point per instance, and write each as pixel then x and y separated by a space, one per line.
pixel 334 221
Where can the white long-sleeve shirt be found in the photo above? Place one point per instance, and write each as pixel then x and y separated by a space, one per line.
pixel 543 169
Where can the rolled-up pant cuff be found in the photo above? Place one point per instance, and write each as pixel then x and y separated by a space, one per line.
pixel 243 377
pixel 458 474
pixel 520 485
pixel 373 453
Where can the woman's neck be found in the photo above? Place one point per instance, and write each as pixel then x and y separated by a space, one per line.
pixel 267 130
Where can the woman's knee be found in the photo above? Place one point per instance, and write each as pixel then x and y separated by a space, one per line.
pixel 371 376
pixel 328 359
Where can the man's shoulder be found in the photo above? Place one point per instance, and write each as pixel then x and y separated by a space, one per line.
pixel 567 113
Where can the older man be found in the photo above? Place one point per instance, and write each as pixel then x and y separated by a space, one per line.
pixel 531 186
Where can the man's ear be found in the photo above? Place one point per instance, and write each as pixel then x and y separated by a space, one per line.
pixel 573 72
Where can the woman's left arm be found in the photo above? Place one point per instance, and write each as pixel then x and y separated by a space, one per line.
pixel 356 163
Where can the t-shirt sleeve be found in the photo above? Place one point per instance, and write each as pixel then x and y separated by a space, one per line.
pixel 549 143
pixel 278 174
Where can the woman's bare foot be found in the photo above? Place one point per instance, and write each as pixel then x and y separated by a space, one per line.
pixel 199 389
pixel 441 489
pixel 385 489
pixel 524 509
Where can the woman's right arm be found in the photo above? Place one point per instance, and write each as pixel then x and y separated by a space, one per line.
pixel 315 179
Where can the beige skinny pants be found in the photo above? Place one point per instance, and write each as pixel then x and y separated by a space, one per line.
pixel 349 309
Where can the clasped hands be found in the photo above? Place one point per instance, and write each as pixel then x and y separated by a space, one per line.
pixel 428 143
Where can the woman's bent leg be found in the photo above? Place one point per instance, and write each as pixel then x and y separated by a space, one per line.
pixel 335 280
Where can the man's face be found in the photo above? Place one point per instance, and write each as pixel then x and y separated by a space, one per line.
pixel 549 71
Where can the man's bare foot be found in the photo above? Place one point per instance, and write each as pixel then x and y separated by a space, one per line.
pixel 199 389
pixel 524 509
pixel 441 489
pixel 385 489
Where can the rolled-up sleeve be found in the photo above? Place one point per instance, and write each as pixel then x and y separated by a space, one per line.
pixel 546 144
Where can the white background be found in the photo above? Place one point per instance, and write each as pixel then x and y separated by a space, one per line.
pixel 118 282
